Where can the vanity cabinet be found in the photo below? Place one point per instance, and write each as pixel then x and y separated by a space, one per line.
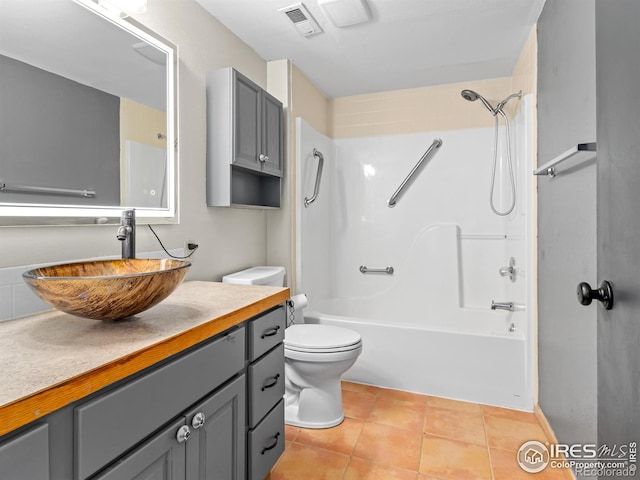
pixel 205 444
pixel 265 374
pixel 213 412
pixel 245 142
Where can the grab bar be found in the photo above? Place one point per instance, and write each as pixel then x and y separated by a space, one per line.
pixel 48 190
pixel 387 270
pixel 437 143
pixel 316 189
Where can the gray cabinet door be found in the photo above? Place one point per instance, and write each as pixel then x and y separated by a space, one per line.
pixel 216 448
pixel 26 457
pixel 272 135
pixel 247 112
pixel 161 458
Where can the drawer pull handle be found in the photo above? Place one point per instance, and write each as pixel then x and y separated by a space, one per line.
pixel 183 434
pixel 272 383
pixel 273 445
pixel 271 332
pixel 198 420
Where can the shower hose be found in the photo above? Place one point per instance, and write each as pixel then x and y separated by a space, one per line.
pixel 510 165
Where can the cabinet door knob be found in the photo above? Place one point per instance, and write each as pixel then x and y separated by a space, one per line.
pixel 183 434
pixel 263 158
pixel 603 294
pixel 198 420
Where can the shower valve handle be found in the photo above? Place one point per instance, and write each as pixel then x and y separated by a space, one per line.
pixel 603 294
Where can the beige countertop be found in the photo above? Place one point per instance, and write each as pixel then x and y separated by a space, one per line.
pixel 52 359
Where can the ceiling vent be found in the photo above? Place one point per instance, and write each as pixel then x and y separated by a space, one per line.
pixel 344 13
pixel 301 19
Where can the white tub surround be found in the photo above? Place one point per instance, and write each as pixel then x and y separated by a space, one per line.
pixel 428 327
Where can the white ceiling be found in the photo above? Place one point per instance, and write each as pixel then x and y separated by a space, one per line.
pixel 69 40
pixel 408 43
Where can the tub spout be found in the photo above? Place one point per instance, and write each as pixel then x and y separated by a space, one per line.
pixel 502 306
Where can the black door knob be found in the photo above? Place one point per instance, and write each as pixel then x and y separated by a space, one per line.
pixel 603 294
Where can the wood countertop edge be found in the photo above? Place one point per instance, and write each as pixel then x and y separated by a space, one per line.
pixel 32 407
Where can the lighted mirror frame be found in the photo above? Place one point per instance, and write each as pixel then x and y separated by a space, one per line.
pixel 42 214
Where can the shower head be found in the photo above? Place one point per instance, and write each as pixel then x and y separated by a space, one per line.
pixel 504 102
pixel 472 96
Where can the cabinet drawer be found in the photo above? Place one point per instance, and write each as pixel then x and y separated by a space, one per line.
pixel 265 332
pixel 111 424
pixel 26 457
pixel 266 443
pixel 266 384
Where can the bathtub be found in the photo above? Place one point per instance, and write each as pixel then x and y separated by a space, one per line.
pixel 474 366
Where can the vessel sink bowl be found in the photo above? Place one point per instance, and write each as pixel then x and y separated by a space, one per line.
pixel 107 289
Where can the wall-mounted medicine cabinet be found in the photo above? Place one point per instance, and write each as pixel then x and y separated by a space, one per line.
pixel 245 142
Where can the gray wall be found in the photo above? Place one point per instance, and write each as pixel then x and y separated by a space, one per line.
pixel 55 132
pixel 567 220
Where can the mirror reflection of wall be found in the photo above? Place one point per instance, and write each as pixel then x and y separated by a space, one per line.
pixel 143 144
pixel 57 133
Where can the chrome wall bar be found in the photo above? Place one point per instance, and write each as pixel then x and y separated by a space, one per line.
pixel 549 168
pixel 4 187
pixel 387 270
pixel 316 189
pixel 437 143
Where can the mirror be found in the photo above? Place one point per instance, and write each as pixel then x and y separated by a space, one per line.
pixel 87 115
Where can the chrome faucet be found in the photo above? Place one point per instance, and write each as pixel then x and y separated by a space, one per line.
pixel 502 306
pixel 127 233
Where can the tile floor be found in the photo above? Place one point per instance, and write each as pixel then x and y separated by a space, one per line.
pixel 394 435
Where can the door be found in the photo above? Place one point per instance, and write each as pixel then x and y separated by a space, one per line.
pixel 161 458
pixel 247 112
pixel 272 135
pixel 216 448
pixel 618 112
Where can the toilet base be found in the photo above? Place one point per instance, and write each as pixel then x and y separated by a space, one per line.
pixel 291 414
pixel 317 406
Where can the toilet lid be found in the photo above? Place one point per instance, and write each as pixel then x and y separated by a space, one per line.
pixel 319 337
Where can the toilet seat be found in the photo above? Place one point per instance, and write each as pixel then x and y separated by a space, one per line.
pixel 321 339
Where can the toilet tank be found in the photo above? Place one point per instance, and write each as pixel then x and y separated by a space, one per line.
pixel 272 276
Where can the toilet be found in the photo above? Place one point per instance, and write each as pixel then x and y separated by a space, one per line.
pixel 316 356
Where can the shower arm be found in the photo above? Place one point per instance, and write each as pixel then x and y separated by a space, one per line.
pixel 437 143
pixel 316 189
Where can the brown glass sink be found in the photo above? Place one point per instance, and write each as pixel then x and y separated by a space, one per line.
pixel 108 289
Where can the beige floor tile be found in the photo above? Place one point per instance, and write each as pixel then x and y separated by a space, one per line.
pixel 456 425
pixel 359 387
pixel 457 405
pixel 391 394
pixel 389 446
pixel 304 462
pixel 341 438
pixel 361 469
pixel 508 434
pixel 450 459
pixel 505 467
pixel 388 410
pixel 528 417
pixel 357 404
pixel 291 432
